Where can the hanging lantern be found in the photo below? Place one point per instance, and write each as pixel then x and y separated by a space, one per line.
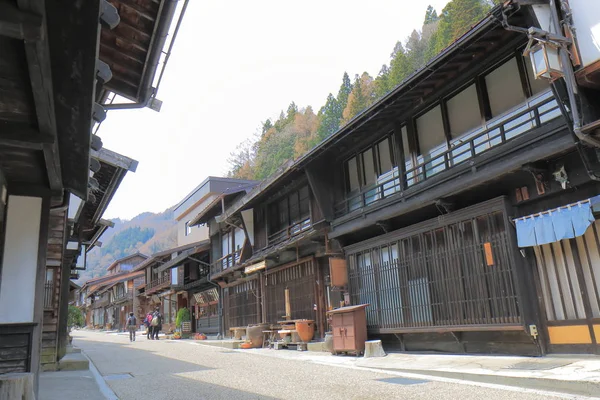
pixel 545 59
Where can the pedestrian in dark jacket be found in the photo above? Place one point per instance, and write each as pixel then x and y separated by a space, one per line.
pixel 132 326
pixel 156 323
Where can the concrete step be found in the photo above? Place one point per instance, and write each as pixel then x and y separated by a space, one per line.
pixel 73 362
pixel 72 349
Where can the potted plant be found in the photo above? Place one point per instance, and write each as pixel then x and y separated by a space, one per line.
pixel 182 321
pixel 74 319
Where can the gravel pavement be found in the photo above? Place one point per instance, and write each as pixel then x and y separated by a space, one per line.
pixel 167 369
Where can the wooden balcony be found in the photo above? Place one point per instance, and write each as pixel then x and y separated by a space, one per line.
pixel 226 262
pixel 123 297
pixel 158 284
pixel 516 123
pixel 289 232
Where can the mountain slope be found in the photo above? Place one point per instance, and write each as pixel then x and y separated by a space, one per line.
pixel 146 233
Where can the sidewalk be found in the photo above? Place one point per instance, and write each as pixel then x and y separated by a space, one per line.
pixel 572 374
pixel 80 385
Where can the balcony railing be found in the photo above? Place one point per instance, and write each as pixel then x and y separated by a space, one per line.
pixel 160 282
pixel 48 295
pixel 530 115
pixel 123 297
pixel 289 232
pixel 227 261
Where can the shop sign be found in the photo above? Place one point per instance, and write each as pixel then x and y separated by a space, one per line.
pixel 255 267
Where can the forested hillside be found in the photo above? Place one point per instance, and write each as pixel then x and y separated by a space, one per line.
pixel 297 130
pixel 147 233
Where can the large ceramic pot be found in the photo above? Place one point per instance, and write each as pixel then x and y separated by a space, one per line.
pixel 254 333
pixel 306 330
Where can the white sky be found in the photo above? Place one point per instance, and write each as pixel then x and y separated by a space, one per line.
pixel 235 64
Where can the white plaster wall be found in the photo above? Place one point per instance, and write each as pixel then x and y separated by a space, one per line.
pixel 19 265
pixel 198 232
pixel 586 18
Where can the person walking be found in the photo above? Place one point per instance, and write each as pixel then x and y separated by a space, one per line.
pixel 148 323
pixel 156 323
pixel 132 326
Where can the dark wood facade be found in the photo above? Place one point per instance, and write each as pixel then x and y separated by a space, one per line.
pixel 421 192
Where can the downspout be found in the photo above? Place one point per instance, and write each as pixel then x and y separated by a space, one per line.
pixel 65 203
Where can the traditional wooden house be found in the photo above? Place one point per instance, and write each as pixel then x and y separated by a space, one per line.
pixel 48 105
pixel 463 201
pixel 72 223
pixel 266 242
pixel 179 278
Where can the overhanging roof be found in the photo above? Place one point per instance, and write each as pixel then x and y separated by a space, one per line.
pixel 483 39
pixel 181 258
pixel 113 168
pixel 214 208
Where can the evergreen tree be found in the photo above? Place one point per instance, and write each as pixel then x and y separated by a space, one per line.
pixel 343 93
pixel 430 15
pixel 266 126
pixel 456 18
pixel 399 67
pixel 382 83
pixel 329 118
pixel 361 97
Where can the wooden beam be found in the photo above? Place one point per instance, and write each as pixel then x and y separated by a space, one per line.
pixel 40 74
pixel 152 15
pixel 24 136
pixel 17 24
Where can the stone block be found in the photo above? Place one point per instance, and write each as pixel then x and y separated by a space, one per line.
pixel 373 348
pixel 73 362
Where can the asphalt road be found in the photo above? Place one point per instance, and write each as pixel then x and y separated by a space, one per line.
pixel 187 370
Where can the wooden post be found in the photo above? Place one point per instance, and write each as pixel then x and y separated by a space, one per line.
pixel 288 307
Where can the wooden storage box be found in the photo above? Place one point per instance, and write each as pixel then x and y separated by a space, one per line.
pixel 349 328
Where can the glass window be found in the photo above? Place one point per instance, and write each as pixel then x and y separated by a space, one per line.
pixel 537 85
pixel 430 130
pixel 369 167
pixel 352 170
pixel 385 156
pixel 239 238
pixel 463 112
pixel 225 246
pixel 304 202
pixel 504 87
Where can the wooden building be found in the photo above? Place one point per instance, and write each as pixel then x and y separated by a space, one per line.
pixel 264 241
pixel 179 277
pixel 48 107
pixel 73 222
pixel 463 202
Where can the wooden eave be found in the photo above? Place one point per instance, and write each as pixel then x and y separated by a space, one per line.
pixel 132 49
pixel 45 97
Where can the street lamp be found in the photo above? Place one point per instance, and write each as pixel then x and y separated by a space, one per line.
pixel 544 50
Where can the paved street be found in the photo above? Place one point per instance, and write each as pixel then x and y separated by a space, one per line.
pixel 168 369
